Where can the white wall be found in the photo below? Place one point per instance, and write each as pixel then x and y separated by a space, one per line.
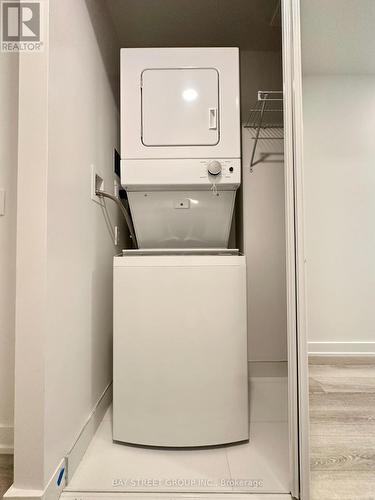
pixel 339 180
pixel 263 218
pixel 339 175
pixel 83 130
pixel 65 249
pixel 338 37
pixel 8 182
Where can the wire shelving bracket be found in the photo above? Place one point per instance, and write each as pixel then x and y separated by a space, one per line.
pixel 265 121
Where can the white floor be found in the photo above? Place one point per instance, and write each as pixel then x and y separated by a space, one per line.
pixel 260 466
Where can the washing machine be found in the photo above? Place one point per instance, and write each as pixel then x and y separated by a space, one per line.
pixel 180 348
pixel 180 341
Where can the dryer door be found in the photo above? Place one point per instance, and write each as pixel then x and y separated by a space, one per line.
pixel 180 107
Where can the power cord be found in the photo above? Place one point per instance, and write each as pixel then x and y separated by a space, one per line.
pixel 125 213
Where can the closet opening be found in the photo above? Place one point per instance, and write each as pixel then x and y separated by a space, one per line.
pixel 261 464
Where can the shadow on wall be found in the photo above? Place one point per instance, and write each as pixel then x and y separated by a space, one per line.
pixel 108 43
pixel 101 332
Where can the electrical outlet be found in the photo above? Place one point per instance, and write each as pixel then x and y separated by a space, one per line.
pixel 97 183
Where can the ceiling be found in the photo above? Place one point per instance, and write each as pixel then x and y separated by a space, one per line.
pixel 248 24
pixel 338 36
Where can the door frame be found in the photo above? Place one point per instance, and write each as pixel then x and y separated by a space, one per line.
pixel 295 265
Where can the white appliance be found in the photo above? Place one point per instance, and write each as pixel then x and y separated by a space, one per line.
pixel 180 144
pixel 180 341
pixel 180 349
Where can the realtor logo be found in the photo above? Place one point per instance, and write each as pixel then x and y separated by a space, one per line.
pixel 20 26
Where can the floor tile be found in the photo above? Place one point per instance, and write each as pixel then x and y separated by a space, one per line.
pixel 67 495
pixel 109 466
pixel 108 414
pixel 264 458
pixel 114 467
pixel 268 399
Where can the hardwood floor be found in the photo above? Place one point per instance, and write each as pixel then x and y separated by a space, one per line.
pixel 342 428
pixel 6 473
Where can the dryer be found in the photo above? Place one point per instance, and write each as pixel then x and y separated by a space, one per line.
pixel 180 144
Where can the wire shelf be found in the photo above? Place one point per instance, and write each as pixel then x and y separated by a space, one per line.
pixel 265 121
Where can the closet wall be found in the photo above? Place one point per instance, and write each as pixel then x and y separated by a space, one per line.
pixel 8 182
pixel 263 222
pixel 68 122
pixel 83 130
pixel 252 26
pixel 339 174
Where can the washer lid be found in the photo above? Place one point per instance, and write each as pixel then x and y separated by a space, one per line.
pixel 180 251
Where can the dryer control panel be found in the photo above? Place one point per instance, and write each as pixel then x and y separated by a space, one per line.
pixel 159 175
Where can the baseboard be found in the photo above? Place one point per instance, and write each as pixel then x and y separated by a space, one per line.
pixel 75 455
pixel 52 491
pixel 341 348
pixel 69 463
pixel 6 439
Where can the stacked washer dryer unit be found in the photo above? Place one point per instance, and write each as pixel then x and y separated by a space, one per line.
pixel 180 339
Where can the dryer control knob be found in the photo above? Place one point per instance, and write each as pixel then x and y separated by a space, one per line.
pixel 214 167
